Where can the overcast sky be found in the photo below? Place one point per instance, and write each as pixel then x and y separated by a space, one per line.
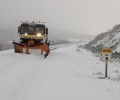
pixel 79 16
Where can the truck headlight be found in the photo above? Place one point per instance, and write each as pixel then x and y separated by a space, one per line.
pixel 39 35
pixel 26 34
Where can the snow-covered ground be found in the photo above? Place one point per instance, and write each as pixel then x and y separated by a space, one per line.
pixel 68 73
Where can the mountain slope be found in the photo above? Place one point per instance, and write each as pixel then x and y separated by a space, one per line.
pixel 109 39
pixel 7 36
pixel 68 73
pixel 6 39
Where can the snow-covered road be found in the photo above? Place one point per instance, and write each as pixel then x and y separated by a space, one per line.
pixel 66 74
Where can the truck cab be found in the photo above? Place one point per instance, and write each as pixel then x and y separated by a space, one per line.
pixel 33 31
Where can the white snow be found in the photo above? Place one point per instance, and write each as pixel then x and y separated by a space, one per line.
pixel 66 74
pixel 118 48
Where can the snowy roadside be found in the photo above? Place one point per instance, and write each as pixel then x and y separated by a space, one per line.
pixel 66 74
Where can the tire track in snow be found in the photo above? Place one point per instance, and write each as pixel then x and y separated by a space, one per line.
pixel 9 65
pixel 22 82
pixel 23 85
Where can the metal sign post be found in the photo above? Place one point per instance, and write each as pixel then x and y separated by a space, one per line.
pixel 106 68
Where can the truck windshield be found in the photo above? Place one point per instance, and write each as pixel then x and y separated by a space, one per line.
pixel 32 29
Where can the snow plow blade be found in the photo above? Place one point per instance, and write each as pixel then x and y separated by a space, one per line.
pixel 44 48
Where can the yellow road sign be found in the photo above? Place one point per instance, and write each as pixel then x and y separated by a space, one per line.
pixel 106 50
pixel 106 55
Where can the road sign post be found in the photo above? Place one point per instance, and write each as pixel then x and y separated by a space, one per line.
pixel 106 69
pixel 106 57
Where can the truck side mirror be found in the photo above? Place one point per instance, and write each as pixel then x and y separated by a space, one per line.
pixel 18 29
pixel 46 30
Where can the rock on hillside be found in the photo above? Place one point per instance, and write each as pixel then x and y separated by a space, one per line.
pixel 109 39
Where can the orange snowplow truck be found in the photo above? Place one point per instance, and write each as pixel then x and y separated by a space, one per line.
pixel 33 35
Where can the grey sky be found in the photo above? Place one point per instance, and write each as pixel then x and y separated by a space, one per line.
pixel 80 16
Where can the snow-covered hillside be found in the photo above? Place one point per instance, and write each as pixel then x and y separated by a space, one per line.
pixel 109 39
pixel 6 39
pixel 7 36
pixel 68 73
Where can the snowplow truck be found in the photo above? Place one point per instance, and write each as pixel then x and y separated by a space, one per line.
pixel 33 35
